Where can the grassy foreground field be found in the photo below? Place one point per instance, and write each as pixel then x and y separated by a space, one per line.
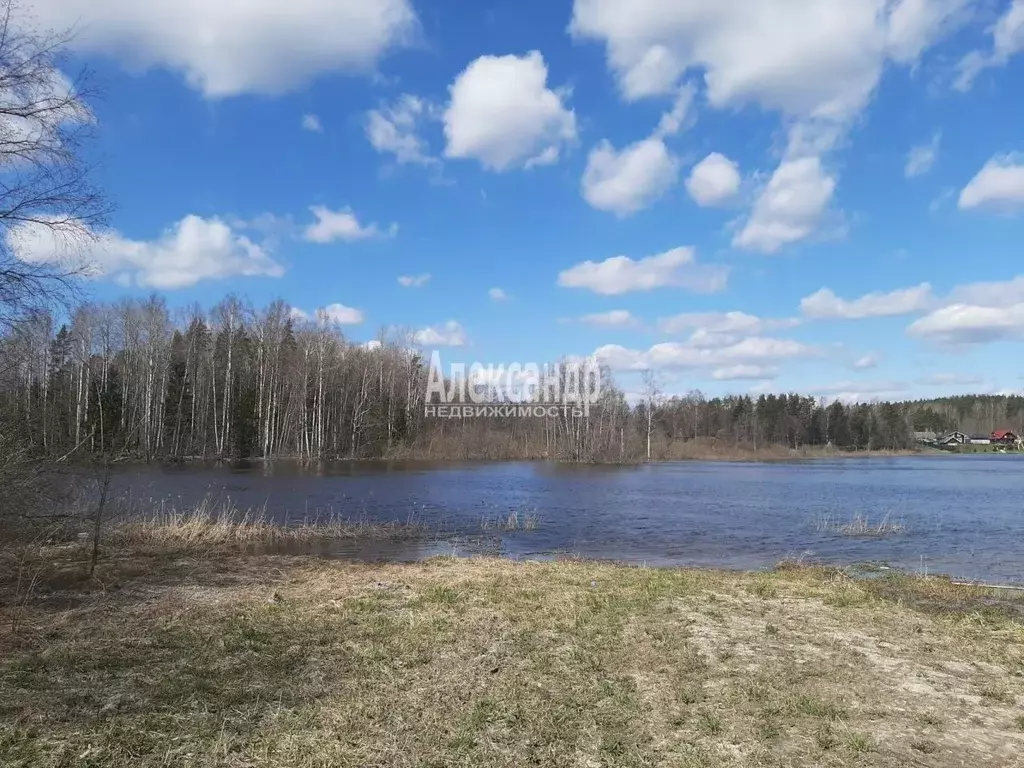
pixel 245 660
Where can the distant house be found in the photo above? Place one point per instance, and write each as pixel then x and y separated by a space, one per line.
pixel 981 440
pixel 926 437
pixel 1004 437
pixel 953 438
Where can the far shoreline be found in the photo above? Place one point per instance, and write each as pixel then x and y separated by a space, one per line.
pixel 725 456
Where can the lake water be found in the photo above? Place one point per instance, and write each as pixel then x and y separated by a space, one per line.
pixel 960 515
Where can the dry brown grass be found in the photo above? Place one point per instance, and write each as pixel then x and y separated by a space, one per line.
pixel 492 446
pixel 213 526
pixel 513 521
pixel 277 661
pixel 712 449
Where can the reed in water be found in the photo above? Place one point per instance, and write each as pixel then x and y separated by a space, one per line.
pixel 860 526
pixel 212 524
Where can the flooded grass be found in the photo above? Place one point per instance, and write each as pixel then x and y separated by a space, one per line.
pixel 222 526
pixel 513 521
pixel 860 526
pixel 242 660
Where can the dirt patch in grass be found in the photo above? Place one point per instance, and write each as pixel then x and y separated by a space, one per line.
pixel 275 661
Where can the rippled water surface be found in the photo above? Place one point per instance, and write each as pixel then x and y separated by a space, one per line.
pixel 959 515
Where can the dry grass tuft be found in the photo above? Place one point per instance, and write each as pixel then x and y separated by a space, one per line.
pixel 514 521
pixel 860 526
pixel 215 526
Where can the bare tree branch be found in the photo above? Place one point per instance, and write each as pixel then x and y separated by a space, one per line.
pixel 49 208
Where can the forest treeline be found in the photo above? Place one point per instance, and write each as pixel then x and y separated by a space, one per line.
pixel 129 380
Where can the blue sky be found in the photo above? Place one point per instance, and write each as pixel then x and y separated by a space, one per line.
pixel 810 195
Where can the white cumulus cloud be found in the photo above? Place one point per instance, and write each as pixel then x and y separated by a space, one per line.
pixel 945 379
pixel 816 62
pixel 632 179
pixel 861 391
pixel 497 294
pixel 722 323
pixel 971 324
pixel 414 281
pixel 825 305
pixel 449 334
pixel 717 330
pixel 228 48
pixel 922 157
pixel 865 363
pixel 312 123
pixel 393 129
pixel 976 313
pixel 1007 41
pixel 998 185
pixel 914 25
pixel 615 318
pixel 745 373
pixel 679 115
pixel 754 350
pixel 677 268
pixel 714 180
pixel 331 226
pixel 193 250
pixel 790 206
pixel 813 58
pixel 503 114
pixel 628 181
pixel 340 314
pixel 997 293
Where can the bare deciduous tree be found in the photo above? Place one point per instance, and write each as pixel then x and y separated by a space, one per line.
pixel 49 207
pixel 652 400
pixel 49 211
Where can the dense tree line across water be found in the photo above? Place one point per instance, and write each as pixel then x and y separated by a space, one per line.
pixel 127 380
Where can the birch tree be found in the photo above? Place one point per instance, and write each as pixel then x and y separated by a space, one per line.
pixel 652 399
pixel 49 207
